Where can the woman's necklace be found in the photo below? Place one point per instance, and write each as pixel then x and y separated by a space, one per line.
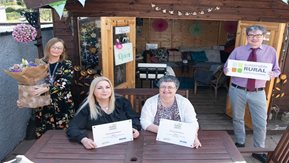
pixel 52 73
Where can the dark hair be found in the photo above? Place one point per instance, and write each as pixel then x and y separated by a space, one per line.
pixel 255 28
pixel 169 78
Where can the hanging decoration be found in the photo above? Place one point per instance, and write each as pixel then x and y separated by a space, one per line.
pixel 118 44
pixel 58 6
pixel 183 13
pixel 82 2
pixel 32 18
pixel 160 25
pixel 24 33
pixel 195 29
pixel 230 26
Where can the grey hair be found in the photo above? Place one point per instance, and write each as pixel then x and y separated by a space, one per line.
pixel 255 28
pixel 169 78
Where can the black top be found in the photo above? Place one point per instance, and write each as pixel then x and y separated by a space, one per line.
pixel 82 122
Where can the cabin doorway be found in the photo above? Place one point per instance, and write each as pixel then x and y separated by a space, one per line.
pixel 118 50
pixel 274 37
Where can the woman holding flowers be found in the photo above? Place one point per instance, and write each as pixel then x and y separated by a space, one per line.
pixel 60 74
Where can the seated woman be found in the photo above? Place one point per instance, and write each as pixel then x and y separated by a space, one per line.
pixel 101 107
pixel 168 105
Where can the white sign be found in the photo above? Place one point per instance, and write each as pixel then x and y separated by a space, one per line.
pixel 178 133
pixel 122 30
pixel 246 69
pixel 112 133
pixel 124 54
pixel 151 46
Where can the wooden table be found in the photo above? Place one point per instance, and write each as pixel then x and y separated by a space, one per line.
pixel 54 147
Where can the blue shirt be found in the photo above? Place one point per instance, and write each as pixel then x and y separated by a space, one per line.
pixel 265 54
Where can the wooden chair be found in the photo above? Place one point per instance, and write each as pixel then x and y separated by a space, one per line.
pixel 214 77
pixel 137 96
pixel 278 155
pixel 281 152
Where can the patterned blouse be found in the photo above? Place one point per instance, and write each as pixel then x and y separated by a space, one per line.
pixel 171 112
pixel 61 110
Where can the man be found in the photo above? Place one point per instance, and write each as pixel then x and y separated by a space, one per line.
pixel 251 91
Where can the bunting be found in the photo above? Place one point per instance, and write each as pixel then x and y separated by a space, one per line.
pixel 58 6
pixel 82 2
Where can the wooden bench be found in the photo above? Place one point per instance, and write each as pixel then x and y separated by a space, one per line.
pixel 137 96
pixel 277 155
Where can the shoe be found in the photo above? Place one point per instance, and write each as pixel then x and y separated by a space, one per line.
pixel 261 157
pixel 239 145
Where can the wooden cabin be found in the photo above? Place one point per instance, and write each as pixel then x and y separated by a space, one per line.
pixel 172 24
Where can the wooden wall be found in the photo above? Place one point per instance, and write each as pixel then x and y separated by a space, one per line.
pixel 183 33
pixel 230 10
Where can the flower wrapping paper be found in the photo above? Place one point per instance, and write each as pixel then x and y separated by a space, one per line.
pixel 29 75
pixel 26 100
pixel 29 78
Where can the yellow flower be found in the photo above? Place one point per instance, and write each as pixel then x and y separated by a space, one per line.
pixel 283 76
pixel 278 80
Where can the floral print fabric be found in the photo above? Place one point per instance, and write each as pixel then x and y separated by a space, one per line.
pixel 58 114
pixel 171 113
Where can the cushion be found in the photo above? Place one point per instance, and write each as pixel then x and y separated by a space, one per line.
pixel 213 55
pixel 198 56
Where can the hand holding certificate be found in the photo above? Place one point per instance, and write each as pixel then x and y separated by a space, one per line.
pixel 112 133
pixel 178 133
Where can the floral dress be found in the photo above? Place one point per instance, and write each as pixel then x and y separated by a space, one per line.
pixel 61 110
pixel 171 113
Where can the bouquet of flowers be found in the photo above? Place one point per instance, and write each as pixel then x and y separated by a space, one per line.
pixel 29 75
pixel 24 33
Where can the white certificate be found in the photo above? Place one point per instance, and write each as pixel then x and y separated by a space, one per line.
pixel 178 133
pixel 112 133
pixel 246 69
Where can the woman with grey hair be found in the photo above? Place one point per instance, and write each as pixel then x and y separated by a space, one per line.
pixel 168 105
pixel 101 107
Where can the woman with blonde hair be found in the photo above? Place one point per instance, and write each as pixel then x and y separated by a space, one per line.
pixel 100 107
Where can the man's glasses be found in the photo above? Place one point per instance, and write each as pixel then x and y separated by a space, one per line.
pixel 256 36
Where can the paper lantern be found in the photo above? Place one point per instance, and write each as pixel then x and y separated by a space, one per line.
pixel 160 25
pixel 231 27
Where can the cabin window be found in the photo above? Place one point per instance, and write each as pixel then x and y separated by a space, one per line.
pixel 89 42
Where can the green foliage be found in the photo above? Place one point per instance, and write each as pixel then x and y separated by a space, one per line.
pixel 45 15
pixel 13 16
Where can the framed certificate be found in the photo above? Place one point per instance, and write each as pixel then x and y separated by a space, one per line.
pixel 112 133
pixel 178 133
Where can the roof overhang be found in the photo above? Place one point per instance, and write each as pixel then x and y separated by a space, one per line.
pixel 38 3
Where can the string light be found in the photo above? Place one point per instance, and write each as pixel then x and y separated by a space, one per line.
pixel 183 13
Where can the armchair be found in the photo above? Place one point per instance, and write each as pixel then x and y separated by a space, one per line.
pixel 213 77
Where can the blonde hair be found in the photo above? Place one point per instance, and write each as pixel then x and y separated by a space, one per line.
pixel 48 46
pixel 95 109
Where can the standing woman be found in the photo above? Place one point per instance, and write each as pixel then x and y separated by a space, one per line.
pixel 58 114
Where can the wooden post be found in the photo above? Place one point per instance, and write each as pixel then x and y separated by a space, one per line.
pixel 38 43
